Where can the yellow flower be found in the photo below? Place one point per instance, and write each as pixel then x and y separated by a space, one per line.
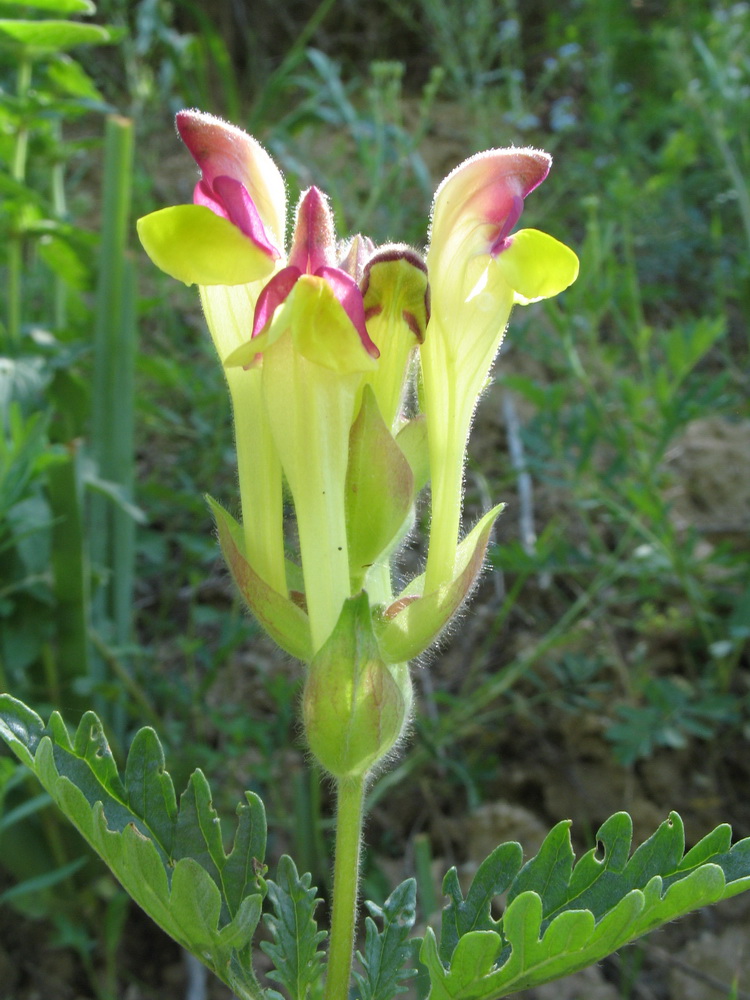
pixel 478 269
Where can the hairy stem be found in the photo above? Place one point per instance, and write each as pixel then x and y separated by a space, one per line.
pixel 345 883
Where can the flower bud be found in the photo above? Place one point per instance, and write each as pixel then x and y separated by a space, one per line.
pixel 354 705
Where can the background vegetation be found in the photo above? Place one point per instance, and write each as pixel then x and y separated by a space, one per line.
pixel 604 664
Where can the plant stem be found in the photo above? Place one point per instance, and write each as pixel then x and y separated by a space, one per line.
pixel 110 531
pixel 59 206
pixel 15 243
pixel 345 881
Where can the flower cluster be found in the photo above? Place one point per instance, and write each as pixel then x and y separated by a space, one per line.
pixel 321 347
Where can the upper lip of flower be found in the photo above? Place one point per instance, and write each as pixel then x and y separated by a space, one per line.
pixel 232 235
pixel 313 253
pixel 223 150
pixel 479 203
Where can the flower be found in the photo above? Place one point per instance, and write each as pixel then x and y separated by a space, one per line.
pixel 293 334
pixel 478 270
pixel 323 305
pixel 318 347
pixel 227 243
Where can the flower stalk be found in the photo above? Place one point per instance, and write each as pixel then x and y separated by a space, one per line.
pixel 349 815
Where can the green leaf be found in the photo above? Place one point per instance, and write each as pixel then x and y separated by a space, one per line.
pixel 40 882
pixel 27 808
pixel 461 916
pixel 686 344
pixel 294 949
pixel 387 951
pixel 51 36
pixel 560 918
pixel 551 868
pixel 55 6
pixel 70 78
pixel 670 711
pixel 171 860
pixel 149 788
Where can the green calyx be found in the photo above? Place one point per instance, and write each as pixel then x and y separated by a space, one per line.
pixel 355 706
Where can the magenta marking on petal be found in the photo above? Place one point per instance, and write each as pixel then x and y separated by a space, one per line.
pixel 413 323
pixel 243 213
pixel 501 241
pixel 347 292
pixel 273 294
pixel 203 194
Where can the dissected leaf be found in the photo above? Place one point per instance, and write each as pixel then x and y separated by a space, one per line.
pixel 149 788
pixel 294 949
pixel 461 916
pixel 550 868
pixel 560 918
pixel 171 860
pixel 387 952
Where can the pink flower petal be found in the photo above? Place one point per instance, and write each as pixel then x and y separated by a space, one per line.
pixel 273 294
pixel 203 194
pixel 243 213
pixel 481 200
pixel 502 241
pixel 223 150
pixel 347 292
